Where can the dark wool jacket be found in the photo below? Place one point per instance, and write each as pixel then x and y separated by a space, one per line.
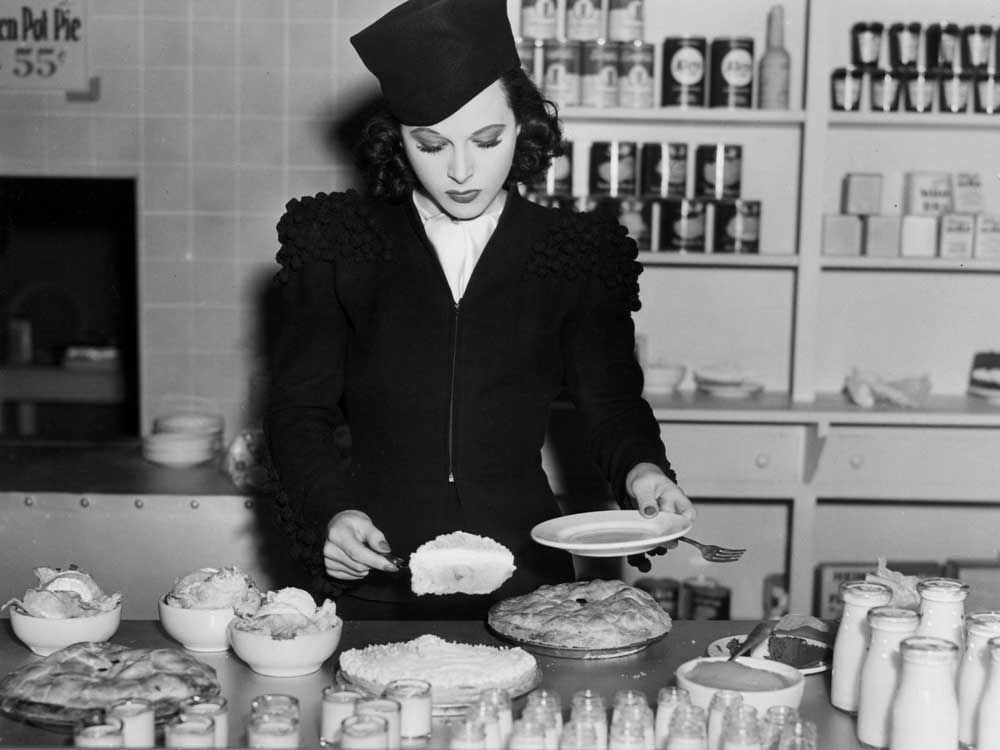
pixel 370 337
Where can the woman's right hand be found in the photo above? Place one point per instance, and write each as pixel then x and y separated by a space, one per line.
pixel 348 553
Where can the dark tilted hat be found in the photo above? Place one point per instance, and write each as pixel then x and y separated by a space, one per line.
pixel 433 56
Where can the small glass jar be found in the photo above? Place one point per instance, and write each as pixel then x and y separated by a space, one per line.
pixel 276 703
pixel 918 90
pixel 904 42
pixel 364 732
pixel 988 728
pixel 845 89
pixel 578 735
pixel 798 735
pixel 925 708
pixel 466 734
pixel 627 732
pixel 668 699
pixel 884 86
pixel 687 734
pixel 852 640
pixel 192 731
pixel 415 706
pixel 942 609
pixel 722 701
pixel 99 732
pixel 775 720
pixel 486 714
pixel 388 709
pixel 866 43
pixel 217 708
pixel 500 698
pixel 741 733
pixel 689 712
pixel 547 699
pixel 526 734
pixel 973 670
pixel 955 89
pixel 550 721
pixel 880 671
pixel 986 92
pixel 138 721
pixel 640 714
pixel 338 703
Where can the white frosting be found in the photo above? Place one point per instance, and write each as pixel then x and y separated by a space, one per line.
pixel 460 563
pixel 987 375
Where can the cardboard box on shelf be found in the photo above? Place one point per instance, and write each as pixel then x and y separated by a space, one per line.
pixel 841 235
pixel 862 193
pixel 987 243
pixel 927 194
pixel 957 235
pixel 882 235
pixel 918 238
pixel 968 193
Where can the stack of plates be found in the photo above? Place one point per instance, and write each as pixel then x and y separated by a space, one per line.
pixel 726 382
pixel 185 439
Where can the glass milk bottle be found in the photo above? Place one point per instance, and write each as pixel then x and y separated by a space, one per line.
pixel 972 672
pixel 880 671
pixel 988 728
pixel 942 609
pixel 852 640
pixel 925 710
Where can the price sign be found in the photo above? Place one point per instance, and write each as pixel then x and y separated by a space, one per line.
pixel 43 44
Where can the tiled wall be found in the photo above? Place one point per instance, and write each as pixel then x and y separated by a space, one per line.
pixel 222 110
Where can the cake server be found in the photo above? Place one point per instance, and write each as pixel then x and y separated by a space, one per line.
pixel 760 633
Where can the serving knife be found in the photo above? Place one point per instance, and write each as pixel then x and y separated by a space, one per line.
pixel 761 632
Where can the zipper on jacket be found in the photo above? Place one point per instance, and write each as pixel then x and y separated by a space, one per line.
pixel 451 399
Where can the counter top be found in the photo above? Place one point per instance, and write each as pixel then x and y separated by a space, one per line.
pixel 107 468
pixel 648 671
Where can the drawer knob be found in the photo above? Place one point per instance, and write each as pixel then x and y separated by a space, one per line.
pixel 856 461
pixel 763 460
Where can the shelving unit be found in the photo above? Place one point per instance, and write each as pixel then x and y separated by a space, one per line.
pixel 800 320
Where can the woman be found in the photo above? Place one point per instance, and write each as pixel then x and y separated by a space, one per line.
pixel 426 329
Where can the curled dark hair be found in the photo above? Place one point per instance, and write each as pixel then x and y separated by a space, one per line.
pixel 382 158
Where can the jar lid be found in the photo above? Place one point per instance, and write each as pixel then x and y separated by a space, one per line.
pixel 893 618
pixel 983 623
pixel 943 589
pixel 928 650
pixel 863 592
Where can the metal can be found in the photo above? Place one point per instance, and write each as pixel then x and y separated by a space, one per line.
pixel 684 71
pixel 631 214
pixel 663 169
pixel 636 82
pixel 664 590
pixel 737 226
pixel 612 168
pixel 704 599
pixel 585 20
pixel 561 80
pixel 718 170
pixel 599 82
pixel 625 20
pixel 732 72
pixel 558 178
pixel 538 19
pixel 531 52
pixel 682 224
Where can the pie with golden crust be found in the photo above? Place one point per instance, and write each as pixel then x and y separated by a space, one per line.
pixel 74 681
pixel 583 615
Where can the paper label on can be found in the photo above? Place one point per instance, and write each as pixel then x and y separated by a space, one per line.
pixel 868 43
pixel 538 19
pixel 687 66
pixel 625 20
pixel 744 228
pixel 737 67
pixel 583 20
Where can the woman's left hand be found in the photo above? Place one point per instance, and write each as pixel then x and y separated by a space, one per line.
pixel 654 492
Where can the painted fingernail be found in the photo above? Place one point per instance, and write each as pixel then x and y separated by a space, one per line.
pixel 650 510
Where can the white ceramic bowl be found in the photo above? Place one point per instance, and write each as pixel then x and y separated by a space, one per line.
pixel 290 657
pixel 663 378
pixel 44 635
pixel 196 629
pixel 701 695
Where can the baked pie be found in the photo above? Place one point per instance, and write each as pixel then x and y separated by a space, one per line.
pixel 74 681
pixel 584 614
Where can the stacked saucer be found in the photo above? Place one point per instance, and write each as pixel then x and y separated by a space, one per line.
pixel 183 439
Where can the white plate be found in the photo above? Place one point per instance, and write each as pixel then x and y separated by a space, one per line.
pixel 732 390
pixel 719 647
pixel 609 533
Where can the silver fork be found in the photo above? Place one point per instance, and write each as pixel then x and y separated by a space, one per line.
pixel 713 552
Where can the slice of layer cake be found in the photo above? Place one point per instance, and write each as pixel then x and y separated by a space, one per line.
pixel 984 378
pixel 460 563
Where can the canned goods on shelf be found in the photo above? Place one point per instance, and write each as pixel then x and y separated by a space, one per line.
pixel 918 90
pixel 599 78
pixel 943 46
pixel 904 43
pixel 539 19
pixel 585 20
pixel 630 213
pixel 636 81
pixel 562 202
pixel 845 89
pixel 977 47
pixel 718 170
pixel 561 72
pixel 986 90
pixel 558 178
pixel 682 224
pixel 663 169
pixel 704 598
pixel 684 71
pixel 531 52
pixel 612 168
pixel 884 86
pixel 625 20
pixel 731 72
pixel 866 43
pixel 737 226
pixel 955 90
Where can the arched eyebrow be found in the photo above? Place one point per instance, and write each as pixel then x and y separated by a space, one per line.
pixel 491 130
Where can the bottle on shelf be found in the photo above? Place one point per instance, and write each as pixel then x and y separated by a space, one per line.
pixel 775 63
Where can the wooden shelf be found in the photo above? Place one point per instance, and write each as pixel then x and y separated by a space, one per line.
pixel 719 260
pixel 774 407
pixel 679 115
pixel 930 120
pixel 953 265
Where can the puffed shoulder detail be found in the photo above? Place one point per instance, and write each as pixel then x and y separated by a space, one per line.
pixel 589 243
pixel 328 227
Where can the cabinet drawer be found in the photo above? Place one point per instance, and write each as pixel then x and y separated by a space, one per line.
pixel 927 463
pixel 726 452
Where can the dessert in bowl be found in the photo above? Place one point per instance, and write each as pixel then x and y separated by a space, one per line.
pixel 198 609
pixel 66 607
pixel 762 682
pixel 285 634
